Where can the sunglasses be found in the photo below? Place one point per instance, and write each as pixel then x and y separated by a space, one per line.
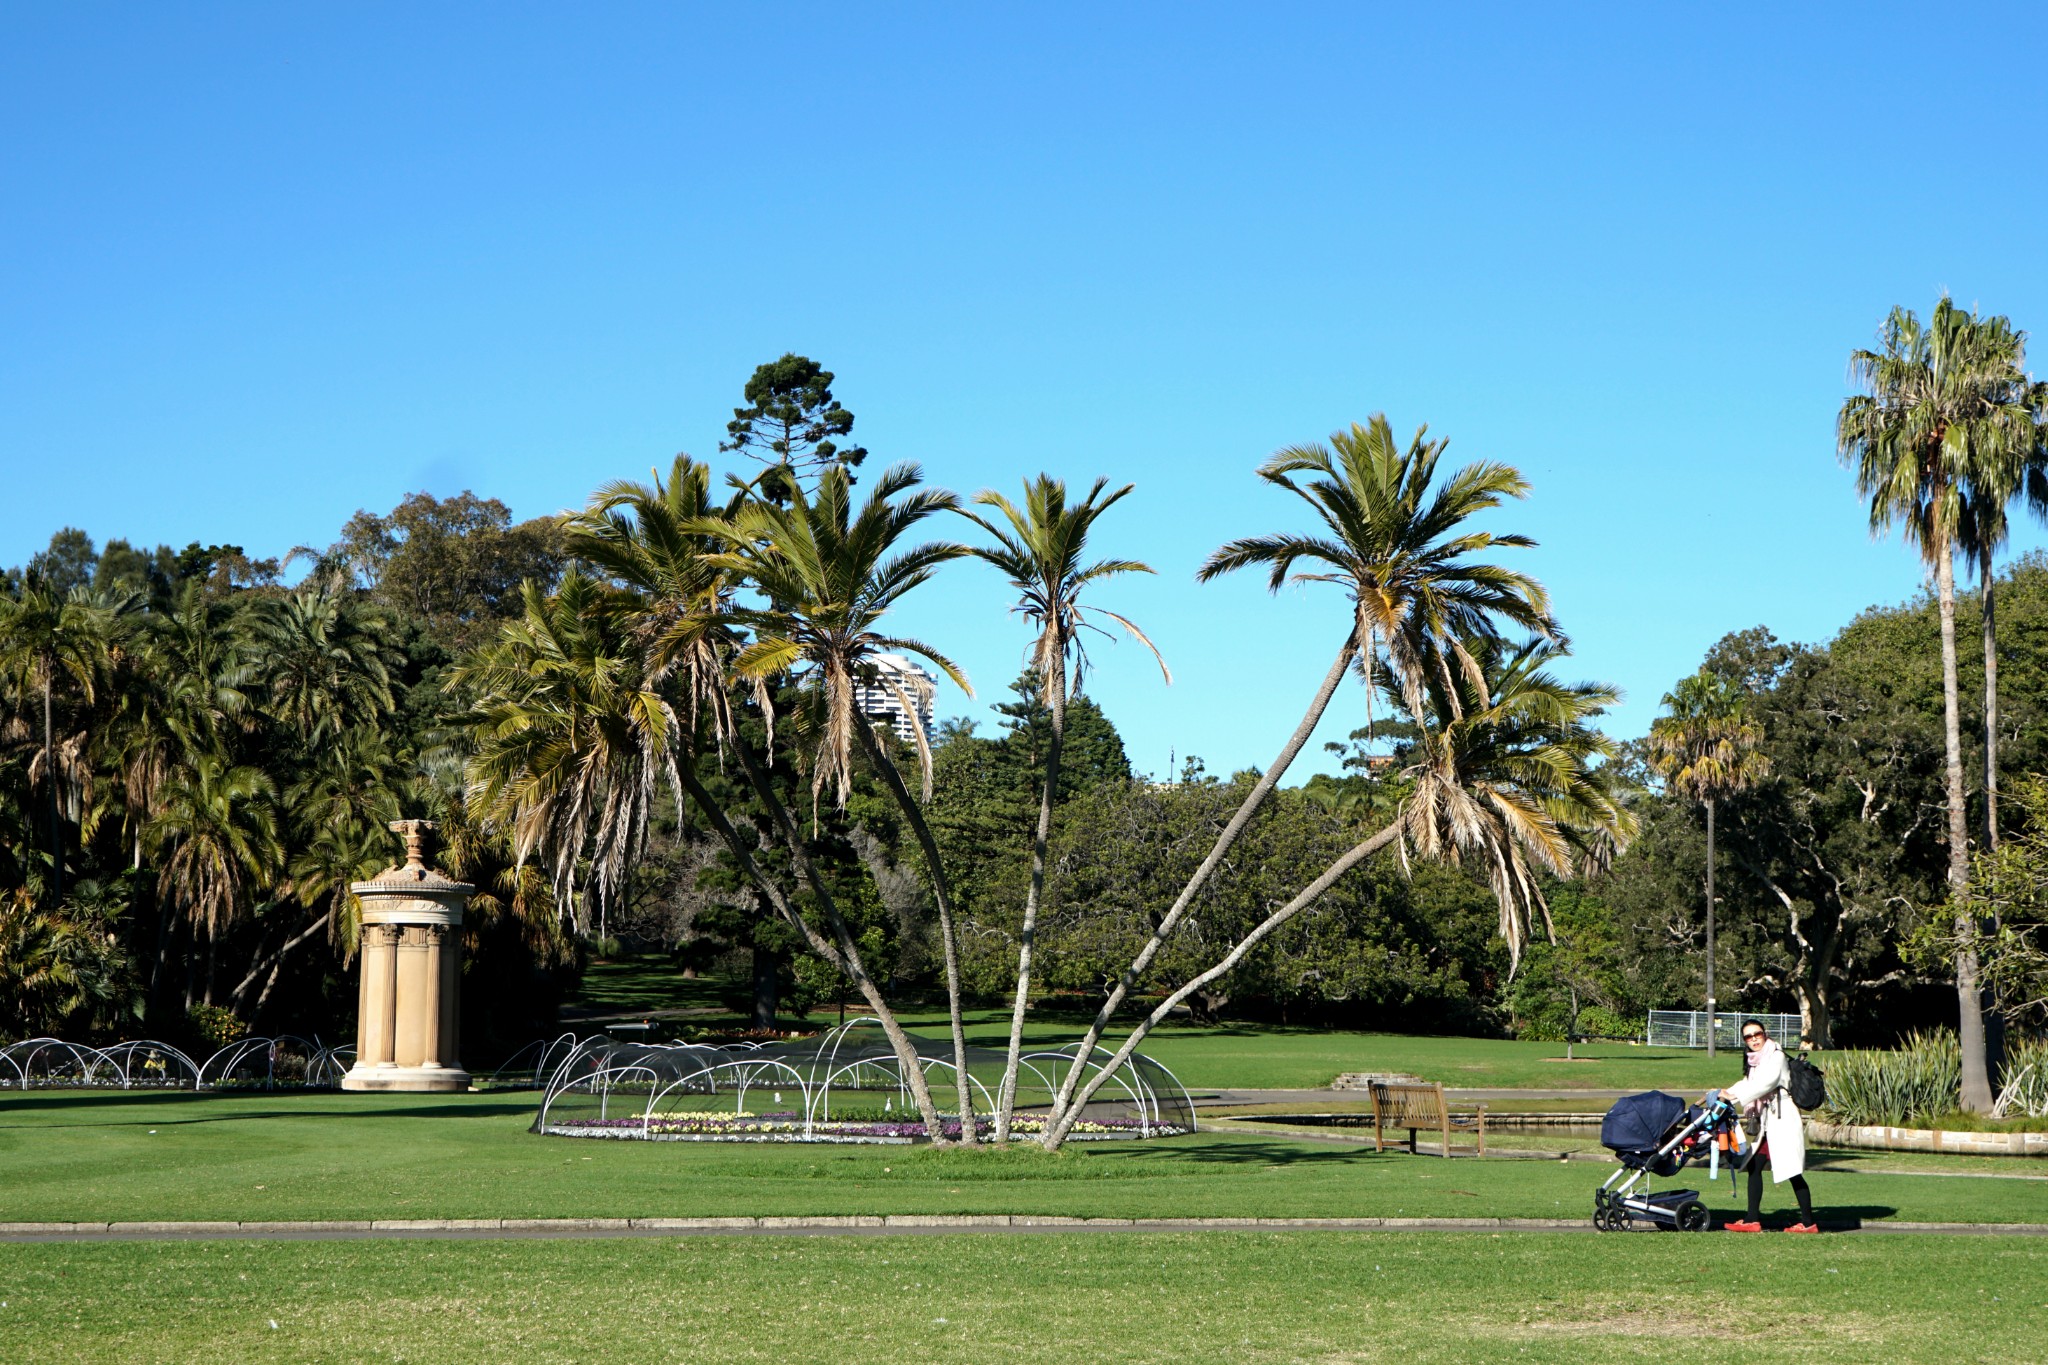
pixel 1752 1036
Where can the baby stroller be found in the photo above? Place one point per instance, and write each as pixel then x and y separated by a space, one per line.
pixel 1658 1134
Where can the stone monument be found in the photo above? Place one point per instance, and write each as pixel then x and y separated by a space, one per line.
pixel 407 1031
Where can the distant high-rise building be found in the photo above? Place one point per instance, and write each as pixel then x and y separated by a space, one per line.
pixel 878 700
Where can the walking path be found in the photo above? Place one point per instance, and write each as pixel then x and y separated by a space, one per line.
pixel 465 1229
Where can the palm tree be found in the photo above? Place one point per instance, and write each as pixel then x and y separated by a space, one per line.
pixel 1506 774
pixel 1943 400
pixel 830 576
pixel 1041 550
pixel 569 737
pixel 1706 750
pixel 46 641
pixel 1394 540
pixel 325 663
pixel 2000 471
pixel 666 545
pixel 217 845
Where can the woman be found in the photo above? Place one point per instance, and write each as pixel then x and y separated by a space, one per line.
pixel 1763 1093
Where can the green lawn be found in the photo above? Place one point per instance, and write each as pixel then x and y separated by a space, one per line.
pixel 1249 1055
pixel 1176 1299
pixel 104 1156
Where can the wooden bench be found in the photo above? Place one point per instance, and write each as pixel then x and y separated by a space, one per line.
pixel 1417 1107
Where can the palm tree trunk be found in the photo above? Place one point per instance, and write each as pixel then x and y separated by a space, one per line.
pixel 1976 1086
pixel 1172 919
pixel 1058 1127
pixel 56 810
pixel 841 953
pixel 1006 1100
pixel 1710 931
pixel 1990 706
pixel 942 892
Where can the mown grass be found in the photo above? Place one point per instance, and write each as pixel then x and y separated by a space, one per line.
pixel 1176 1299
pixel 102 1156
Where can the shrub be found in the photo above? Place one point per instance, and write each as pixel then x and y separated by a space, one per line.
pixel 216 1025
pixel 1915 1082
pixel 2024 1093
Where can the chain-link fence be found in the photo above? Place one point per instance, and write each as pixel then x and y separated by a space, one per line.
pixel 1688 1028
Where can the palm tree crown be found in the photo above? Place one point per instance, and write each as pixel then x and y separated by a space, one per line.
pixel 1397 548
pixel 830 576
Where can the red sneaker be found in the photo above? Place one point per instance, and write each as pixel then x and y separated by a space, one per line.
pixel 1740 1226
pixel 1804 1227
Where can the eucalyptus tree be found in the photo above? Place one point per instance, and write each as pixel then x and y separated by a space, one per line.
pixel 671 550
pixel 830 575
pixel 1395 541
pixel 1943 398
pixel 1706 750
pixel 1042 548
pixel 1506 776
pixel 47 641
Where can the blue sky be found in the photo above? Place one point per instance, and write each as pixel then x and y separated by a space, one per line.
pixel 261 266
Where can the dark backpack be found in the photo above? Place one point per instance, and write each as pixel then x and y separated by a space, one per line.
pixel 1806 1083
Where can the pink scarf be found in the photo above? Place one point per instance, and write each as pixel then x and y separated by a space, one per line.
pixel 1749 1061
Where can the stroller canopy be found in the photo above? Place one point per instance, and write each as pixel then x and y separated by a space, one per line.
pixel 1638 1123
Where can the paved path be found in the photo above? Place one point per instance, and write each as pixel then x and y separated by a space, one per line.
pixel 470 1229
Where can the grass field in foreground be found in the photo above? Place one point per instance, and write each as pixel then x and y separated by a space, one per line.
pixel 105 1156
pixel 1242 1056
pixel 1174 1299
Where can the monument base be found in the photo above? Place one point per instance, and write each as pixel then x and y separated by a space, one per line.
pixel 413 1078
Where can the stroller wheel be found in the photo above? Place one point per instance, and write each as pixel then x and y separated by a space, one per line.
pixel 1692 1217
pixel 1599 1220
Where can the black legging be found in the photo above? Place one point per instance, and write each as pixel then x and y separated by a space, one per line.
pixel 1757 1167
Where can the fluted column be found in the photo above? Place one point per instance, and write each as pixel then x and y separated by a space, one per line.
pixel 430 996
pixel 379 997
pixel 413 1022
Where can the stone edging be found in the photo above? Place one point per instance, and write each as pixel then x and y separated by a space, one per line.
pixel 906 1222
pixel 1885 1139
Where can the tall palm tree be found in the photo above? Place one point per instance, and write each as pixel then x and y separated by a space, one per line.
pixel 1705 750
pixel 47 641
pixel 830 575
pixel 1394 539
pixel 1942 399
pixel 1507 774
pixel 1041 548
pixel 2000 471
pixel 666 545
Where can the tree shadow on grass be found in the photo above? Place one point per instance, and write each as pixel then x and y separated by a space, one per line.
pixel 177 1107
pixel 1253 1153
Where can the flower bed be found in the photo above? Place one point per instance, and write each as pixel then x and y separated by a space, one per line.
pixel 744 1127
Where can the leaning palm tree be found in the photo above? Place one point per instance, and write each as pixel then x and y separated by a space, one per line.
pixel 48 641
pixel 830 575
pixel 1944 398
pixel 1394 539
pixel 1506 776
pixel 666 545
pixel 1042 548
pixel 1705 750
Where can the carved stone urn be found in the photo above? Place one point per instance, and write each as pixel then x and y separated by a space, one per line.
pixel 407 1029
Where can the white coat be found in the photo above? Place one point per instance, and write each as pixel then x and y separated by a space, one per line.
pixel 1783 1127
